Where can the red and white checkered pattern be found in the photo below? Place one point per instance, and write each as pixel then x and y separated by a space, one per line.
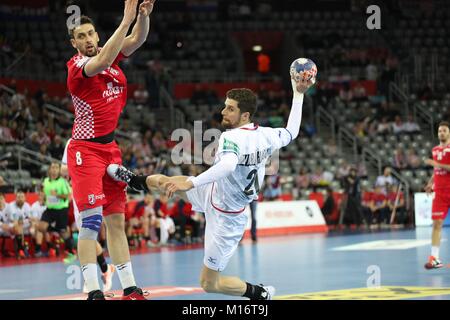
pixel 84 120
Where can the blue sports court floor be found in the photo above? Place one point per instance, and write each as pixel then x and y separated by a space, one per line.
pixel 308 266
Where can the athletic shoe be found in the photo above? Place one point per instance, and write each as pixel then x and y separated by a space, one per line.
pixel 96 295
pixel 137 294
pixel 70 258
pixel 433 263
pixel 107 277
pixel 120 173
pixel 267 294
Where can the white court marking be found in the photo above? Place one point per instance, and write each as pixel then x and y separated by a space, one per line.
pixel 403 244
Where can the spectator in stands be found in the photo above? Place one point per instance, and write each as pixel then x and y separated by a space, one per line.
pixel 410 126
pixel 362 170
pixel 44 153
pixel 37 209
pixel 400 208
pixel 182 216
pixel 329 205
pixel 56 148
pixel 140 219
pixel 367 208
pixel 343 170
pixel 413 161
pixel 165 222
pixel 302 181
pixel 384 127
pixel 152 84
pixel 399 160
pixel 272 187
pixel 32 143
pixel 379 206
pixel 398 126
pixel 43 137
pixel 385 179
pixel 140 95
pixel 352 191
pixel 17 215
pixel 6 134
pixel 263 62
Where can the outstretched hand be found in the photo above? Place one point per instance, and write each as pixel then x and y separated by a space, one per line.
pixel 303 85
pixel 173 186
pixel 146 7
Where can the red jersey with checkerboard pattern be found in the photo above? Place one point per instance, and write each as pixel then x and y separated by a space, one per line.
pixel 98 100
pixel 441 154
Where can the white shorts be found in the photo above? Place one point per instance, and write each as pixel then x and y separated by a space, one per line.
pixel 223 231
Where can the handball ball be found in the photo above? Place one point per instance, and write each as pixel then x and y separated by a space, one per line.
pixel 303 69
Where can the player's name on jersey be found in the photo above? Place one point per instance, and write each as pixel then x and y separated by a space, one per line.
pixel 255 158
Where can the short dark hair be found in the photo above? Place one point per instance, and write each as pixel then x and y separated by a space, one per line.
pixel 246 99
pixel 444 124
pixel 78 22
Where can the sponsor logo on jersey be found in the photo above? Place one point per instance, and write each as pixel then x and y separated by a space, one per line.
pixel 112 90
pixel 91 199
pixel 230 146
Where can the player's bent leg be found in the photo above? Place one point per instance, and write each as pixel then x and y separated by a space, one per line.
pixel 212 282
pixel 91 221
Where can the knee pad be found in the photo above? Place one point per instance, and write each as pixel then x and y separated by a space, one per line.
pixel 91 222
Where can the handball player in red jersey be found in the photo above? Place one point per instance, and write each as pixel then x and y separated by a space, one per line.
pixel 99 91
pixel 440 184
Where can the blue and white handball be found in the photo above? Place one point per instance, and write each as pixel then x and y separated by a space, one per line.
pixel 303 69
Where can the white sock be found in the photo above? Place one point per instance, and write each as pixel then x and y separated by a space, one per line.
pixel 126 277
pixel 90 276
pixel 435 252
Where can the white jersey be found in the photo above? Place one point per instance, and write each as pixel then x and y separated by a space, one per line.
pixel 37 209
pixel 13 213
pixel 253 145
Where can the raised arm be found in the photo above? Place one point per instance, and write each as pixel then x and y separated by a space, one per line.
pixel 295 116
pixel 140 30
pixel 114 45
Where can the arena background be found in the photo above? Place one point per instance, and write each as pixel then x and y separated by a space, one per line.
pixel 379 96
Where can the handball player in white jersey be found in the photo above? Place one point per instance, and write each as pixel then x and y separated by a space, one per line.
pixel 223 191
